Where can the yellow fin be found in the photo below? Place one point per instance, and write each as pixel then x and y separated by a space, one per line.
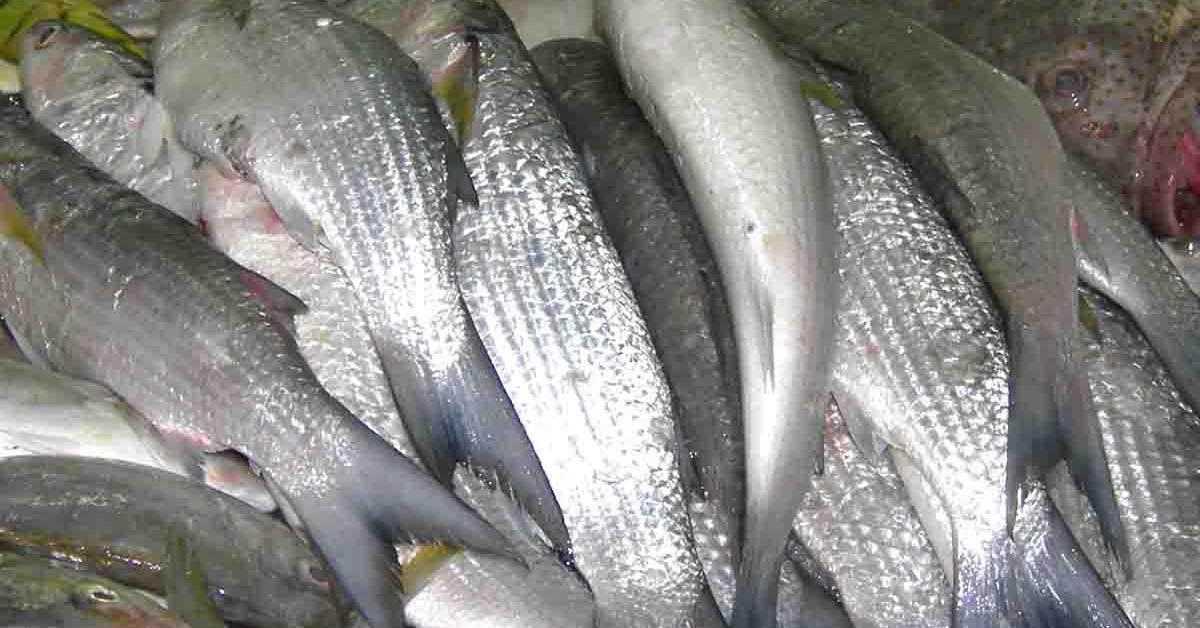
pixel 18 16
pixel 14 223
pixel 455 89
pixel 1088 318
pixel 820 92
pixel 419 569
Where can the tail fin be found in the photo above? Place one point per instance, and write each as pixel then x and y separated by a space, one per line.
pixel 1050 418
pixel 980 591
pixel 755 605
pixel 377 497
pixel 1055 585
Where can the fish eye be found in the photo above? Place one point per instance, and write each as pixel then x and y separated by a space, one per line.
pixel 314 572
pixel 45 35
pixel 1069 83
pixel 98 595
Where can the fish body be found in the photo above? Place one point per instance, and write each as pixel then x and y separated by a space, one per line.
pixel 558 316
pixel 743 138
pixel 47 413
pixel 539 21
pixel 98 97
pixel 983 147
pixel 35 593
pixel 1152 444
pixel 142 303
pixel 349 150
pixel 117 519
pixel 1183 254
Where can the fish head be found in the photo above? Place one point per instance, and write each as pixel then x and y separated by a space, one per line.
pixel 119 607
pixel 1166 181
pixel 62 62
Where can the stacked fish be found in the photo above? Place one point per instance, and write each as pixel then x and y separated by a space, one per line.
pixel 820 313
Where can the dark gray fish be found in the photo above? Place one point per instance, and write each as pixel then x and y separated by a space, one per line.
pixel 142 303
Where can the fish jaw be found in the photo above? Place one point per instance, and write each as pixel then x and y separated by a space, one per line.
pixel 1166 191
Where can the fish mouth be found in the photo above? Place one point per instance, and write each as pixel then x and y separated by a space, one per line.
pixel 1167 178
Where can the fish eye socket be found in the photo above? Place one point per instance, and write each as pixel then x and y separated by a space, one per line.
pixel 46 35
pixel 315 572
pixel 99 595
pixel 1069 83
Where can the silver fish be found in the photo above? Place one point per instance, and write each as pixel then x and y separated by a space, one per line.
pixel 47 413
pixel 142 303
pixel 99 98
pixel 859 525
pixel 1185 255
pixel 538 21
pixel 333 122
pixel 1153 451
pixel 556 311
pixel 921 362
pixel 986 150
pixel 331 333
pixel 742 135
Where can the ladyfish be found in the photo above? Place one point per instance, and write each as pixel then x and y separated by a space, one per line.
pixel 1153 451
pixel 349 150
pixel 119 519
pixel 36 593
pixel 984 148
pixel 921 368
pixel 98 97
pixel 558 316
pixel 743 138
pixel 142 303
pixel 47 413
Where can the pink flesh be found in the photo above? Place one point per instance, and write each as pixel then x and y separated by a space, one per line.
pixel 1162 205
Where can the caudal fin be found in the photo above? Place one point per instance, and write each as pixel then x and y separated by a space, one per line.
pixel 374 499
pixel 1051 418
pixel 1055 585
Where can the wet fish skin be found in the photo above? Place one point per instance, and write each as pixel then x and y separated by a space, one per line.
pixel 98 97
pixel 332 333
pixel 1183 254
pixel 257 571
pixel 1152 444
pixel 47 413
pixel 753 167
pixel 982 145
pixel 349 151
pixel 34 593
pixel 858 523
pixel 546 290
pixel 146 306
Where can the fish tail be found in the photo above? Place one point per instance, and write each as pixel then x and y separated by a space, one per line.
pixel 376 498
pixel 980 584
pixel 756 603
pixel 1051 418
pixel 1055 585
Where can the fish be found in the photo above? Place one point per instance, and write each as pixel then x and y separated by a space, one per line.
pixel 743 139
pixel 1122 262
pixel 457 589
pixel 332 333
pixel 366 170
pixel 984 149
pixel 557 314
pixel 1118 79
pixel 38 593
pixel 18 17
pixel 1183 254
pixel 858 523
pixel 921 367
pixel 143 304
pixel 1153 447
pixel 98 97
pixel 656 232
pixel 119 520
pixel 539 21
pixel 47 413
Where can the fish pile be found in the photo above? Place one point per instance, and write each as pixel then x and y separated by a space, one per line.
pixel 611 313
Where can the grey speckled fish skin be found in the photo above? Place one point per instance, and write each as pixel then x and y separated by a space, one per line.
pixel 556 311
pixel 47 413
pixel 470 590
pixel 349 150
pixel 1122 262
pixel 142 303
pixel 921 362
pixel 98 97
pixel 1185 255
pixel 735 119
pixel 117 518
pixel 984 148
pixel 331 333
pixel 1153 451
pixel 859 525
pixel 36 593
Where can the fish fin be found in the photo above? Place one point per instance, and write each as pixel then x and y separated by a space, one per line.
pixel 1087 246
pixel 1087 318
pixel 757 599
pixel 35 356
pixel 282 306
pixel 228 472
pixel 457 88
pixel 372 500
pixel 1054 584
pixel 980 581
pixel 185 583
pixel 460 189
pixel 420 568
pixel 809 567
pixel 861 432
pixel 431 426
